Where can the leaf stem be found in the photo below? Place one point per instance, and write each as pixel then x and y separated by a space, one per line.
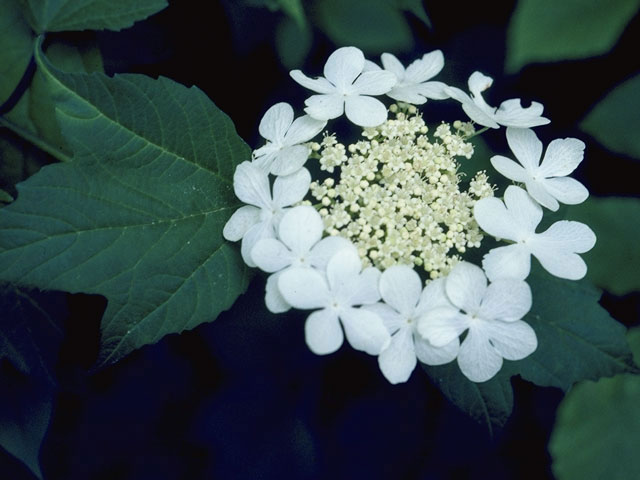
pixel 42 144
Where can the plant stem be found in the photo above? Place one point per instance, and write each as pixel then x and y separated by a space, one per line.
pixel 482 130
pixel 34 139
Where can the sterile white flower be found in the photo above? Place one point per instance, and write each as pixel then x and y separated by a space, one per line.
pixel 283 153
pixel 346 88
pixel 546 182
pixel 405 303
pixel 412 83
pixel 337 294
pixel 259 218
pixel 510 113
pixel 491 314
pixel 299 244
pixel 516 219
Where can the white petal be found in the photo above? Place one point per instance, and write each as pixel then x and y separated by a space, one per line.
pixel 303 129
pixel 343 66
pixel 435 90
pixel 343 268
pixel 509 168
pixel 271 255
pixel 478 83
pixel 326 248
pixel 365 111
pixel 512 261
pixel 291 189
pixel 511 114
pixel 514 340
pixel 370 66
pixel 373 83
pixel 400 287
pixel 392 320
pixel 276 121
pixel 492 216
pixel 251 185
pixel 431 355
pixel 364 290
pixel 364 330
pixel 442 325
pixel 392 64
pixel 425 68
pixel 475 113
pixel 300 229
pixel 506 299
pixel 273 299
pixel 407 94
pixel 526 147
pixel 477 359
pixel 264 157
pixel 304 288
pixel 562 157
pixel 242 220
pixel 322 332
pixel 536 189
pixel 524 211
pixel 433 296
pixel 398 360
pixel 566 190
pixel 289 160
pixel 320 85
pixel 465 286
pixel 325 107
pixel 256 233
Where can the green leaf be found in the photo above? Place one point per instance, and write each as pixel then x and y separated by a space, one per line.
pixel 417 8
pixel 597 428
pixel 16 46
pixel 138 215
pixel 489 403
pixel 24 418
pixel 375 26
pixel 614 120
pixel 577 340
pixel 614 262
pixel 292 43
pixel 72 15
pixel 293 9
pixel 549 30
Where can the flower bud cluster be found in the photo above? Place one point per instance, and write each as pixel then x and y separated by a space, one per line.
pixel 398 197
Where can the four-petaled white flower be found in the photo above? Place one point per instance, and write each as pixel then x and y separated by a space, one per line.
pixel 259 218
pixel 283 153
pixel 510 113
pixel 346 88
pixel 412 83
pixel 491 314
pixel 405 304
pixel 516 219
pixel 337 294
pixel 546 182
pixel 299 244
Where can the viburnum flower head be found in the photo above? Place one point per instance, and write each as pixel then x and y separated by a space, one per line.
pixel 299 244
pixel 546 181
pixel 347 88
pixel 413 85
pixel 284 152
pixel 405 303
pixel 510 113
pixel 492 316
pixel 337 294
pixel 516 219
pixel 259 218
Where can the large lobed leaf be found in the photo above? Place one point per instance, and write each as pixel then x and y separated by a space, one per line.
pixel 16 45
pixel 138 215
pixel 614 121
pixel 577 340
pixel 551 30
pixel 598 426
pixel 71 15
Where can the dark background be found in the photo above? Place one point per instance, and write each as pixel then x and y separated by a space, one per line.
pixel 243 397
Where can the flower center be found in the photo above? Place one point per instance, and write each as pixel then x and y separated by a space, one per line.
pixel 398 197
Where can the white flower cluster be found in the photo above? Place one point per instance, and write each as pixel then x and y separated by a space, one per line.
pixel 393 201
